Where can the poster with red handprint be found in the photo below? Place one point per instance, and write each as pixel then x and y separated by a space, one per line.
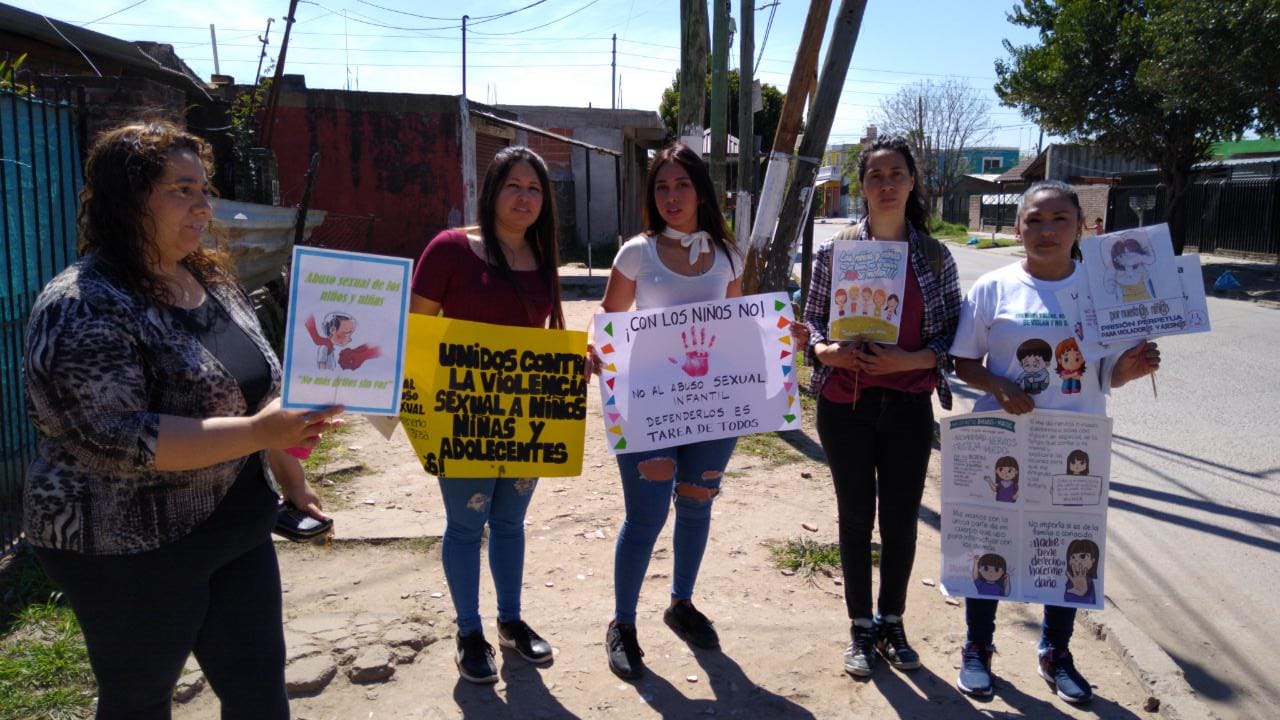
pixel 702 371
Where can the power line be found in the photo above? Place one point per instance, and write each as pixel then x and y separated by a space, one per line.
pixel 539 27
pixel 471 20
pixel 116 12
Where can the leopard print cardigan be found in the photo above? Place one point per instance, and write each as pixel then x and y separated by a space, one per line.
pixel 101 365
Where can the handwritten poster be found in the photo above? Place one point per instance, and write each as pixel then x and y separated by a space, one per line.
pixel 345 337
pixel 483 401
pixel 867 282
pixel 700 371
pixel 1024 506
pixel 1134 284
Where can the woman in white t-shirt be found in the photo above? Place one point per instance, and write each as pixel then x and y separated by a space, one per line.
pixel 685 255
pixel 1011 318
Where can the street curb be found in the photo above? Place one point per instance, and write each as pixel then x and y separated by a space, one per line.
pixel 1149 663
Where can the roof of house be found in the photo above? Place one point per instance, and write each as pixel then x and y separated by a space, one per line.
pixel 1017 172
pixel 150 60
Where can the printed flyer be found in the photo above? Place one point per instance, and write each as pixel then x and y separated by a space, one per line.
pixel 484 401
pixel 700 371
pixel 345 337
pixel 867 282
pixel 1024 506
pixel 1134 284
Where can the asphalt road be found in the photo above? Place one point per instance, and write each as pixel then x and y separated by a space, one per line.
pixel 1193 549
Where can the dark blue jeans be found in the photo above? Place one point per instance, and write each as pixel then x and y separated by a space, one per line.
pixel 650 479
pixel 469 505
pixel 1055 630
pixel 878 450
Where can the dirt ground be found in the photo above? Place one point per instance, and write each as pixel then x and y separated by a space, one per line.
pixel 782 635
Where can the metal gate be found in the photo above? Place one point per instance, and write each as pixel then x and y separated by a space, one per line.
pixel 40 177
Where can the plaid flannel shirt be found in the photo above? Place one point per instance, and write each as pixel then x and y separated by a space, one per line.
pixel 942 299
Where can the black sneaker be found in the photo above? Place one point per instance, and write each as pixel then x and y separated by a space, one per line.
pixel 1059 670
pixel 624 652
pixel 860 657
pixel 892 644
pixel 975 670
pixel 475 659
pixel 520 637
pixel 692 626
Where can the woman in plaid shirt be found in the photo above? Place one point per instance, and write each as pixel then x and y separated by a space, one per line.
pixel 875 412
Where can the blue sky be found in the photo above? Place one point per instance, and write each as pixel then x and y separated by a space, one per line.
pixel 558 52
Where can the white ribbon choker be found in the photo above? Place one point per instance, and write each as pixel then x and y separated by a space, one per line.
pixel 698 242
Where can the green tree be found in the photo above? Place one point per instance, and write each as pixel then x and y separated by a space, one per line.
pixel 1160 80
pixel 766 122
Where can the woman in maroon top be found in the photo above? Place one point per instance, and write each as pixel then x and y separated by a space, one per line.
pixel 503 272
pixel 875 407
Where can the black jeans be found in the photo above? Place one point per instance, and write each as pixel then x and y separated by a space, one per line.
pixel 215 592
pixel 879 449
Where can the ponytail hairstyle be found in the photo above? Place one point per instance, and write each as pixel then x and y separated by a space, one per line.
pixel 710 219
pixel 1066 191
pixel 917 210
pixel 541 235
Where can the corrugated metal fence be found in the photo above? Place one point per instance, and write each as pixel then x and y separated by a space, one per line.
pixel 40 176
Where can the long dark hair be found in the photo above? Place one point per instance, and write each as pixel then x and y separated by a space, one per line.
pixel 113 223
pixel 917 210
pixel 541 235
pixel 1066 191
pixel 710 218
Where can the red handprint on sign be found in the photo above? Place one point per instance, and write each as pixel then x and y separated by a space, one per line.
pixel 696 347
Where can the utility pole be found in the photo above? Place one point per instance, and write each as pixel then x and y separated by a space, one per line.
pixel 746 121
pixel 772 265
pixel 257 76
pixel 719 94
pixel 213 38
pixel 784 142
pixel 464 55
pixel 613 87
pixel 273 97
pixel 693 72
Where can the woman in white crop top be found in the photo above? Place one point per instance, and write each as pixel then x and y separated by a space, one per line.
pixel 685 255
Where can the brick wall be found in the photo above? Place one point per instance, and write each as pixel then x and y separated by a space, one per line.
pixel 1093 202
pixel 558 155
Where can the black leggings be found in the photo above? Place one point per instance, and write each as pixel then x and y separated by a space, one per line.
pixel 215 592
pixel 877 448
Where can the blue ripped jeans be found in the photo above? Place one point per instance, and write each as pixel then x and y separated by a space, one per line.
pixel 690 474
pixel 468 505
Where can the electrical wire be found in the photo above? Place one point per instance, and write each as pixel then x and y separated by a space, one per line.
pixel 113 13
pixel 539 27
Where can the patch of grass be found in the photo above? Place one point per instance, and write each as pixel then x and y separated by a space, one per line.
pixel 940 229
pixel 325 456
pixel 44 667
pixel 984 241
pixel 806 557
pixel 768 446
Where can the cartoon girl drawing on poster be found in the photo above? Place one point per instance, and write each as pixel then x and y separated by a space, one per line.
pixel 991 575
pixel 1082 570
pixel 1077 462
pixel 1127 276
pixel 842 298
pixel 878 300
pixel 866 301
pixel 1071 365
pixel 1005 484
pixel 891 307
pixel 853 299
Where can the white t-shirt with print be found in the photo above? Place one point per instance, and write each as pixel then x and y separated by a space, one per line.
pixel 659 286
pixel 1008 313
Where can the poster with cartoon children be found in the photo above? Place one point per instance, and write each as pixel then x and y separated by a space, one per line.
pixel 1017 492
pixel 867 282
pixel 1134 284
pixel 345 335
pixel 700 371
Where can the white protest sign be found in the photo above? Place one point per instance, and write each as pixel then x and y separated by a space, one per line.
pixel 1024 506
pixel 701 371
pixel 868 278
pixel 345 338
pixel 1134 283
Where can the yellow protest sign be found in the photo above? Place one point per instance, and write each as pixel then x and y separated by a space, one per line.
pixel 482 401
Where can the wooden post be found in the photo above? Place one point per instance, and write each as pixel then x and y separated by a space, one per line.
pixel 719 96
pixel 746 122
pixel 693 72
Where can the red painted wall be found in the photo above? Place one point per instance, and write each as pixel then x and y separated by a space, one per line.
pixel 396 157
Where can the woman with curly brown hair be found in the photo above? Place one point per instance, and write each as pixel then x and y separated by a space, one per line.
pixel 151 387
